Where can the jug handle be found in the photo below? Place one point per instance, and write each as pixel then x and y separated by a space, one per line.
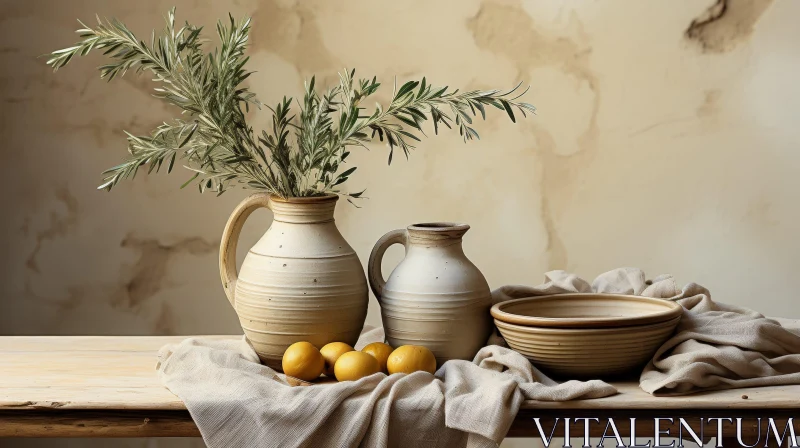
pixel 376 280
pixel 230 238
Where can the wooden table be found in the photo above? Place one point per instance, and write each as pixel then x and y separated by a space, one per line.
pixel 107 387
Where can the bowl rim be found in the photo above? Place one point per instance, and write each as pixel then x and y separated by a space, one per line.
pixel 597 331
pixel 671 311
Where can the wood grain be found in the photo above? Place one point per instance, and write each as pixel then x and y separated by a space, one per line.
pixel 632 397
pixel 90 386
pixel 83 372
pixel 81 423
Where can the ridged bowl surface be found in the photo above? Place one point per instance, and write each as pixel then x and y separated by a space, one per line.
pixel 576 341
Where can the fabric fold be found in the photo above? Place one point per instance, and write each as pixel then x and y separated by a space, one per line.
pixel 721 346
pixel 236 401
pixel 715 346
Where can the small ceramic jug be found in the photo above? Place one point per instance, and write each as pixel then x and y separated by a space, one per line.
pixel 435 297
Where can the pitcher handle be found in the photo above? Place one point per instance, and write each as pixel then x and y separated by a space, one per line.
pixel 230 238
pixel 376 280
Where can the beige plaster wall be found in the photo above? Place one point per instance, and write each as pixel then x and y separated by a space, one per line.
pixel 667 138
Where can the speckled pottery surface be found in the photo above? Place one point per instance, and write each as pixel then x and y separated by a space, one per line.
pixel 435 297
pixel 587 335
pixel 300 282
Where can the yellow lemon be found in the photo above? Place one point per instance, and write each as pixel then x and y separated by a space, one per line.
pixel 352 366
pixel 380 351
pixel 302 360
pixel 411 358
pixel 331 352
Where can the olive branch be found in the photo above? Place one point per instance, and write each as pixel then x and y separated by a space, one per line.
pixel 302 154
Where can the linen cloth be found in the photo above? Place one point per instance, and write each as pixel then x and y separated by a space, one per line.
pixel 237 402
pixel 715 346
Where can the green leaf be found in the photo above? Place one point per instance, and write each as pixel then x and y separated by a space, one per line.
pixel 407 87
pixel 407 121
pixel 171 162
pixel 357 194
pixel 480 108
pixel 409 135
pixel 106 186
pixel 188 137
pixel 348 172
pixel 510 112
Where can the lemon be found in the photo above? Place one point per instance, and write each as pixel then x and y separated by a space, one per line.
pixel 331 352
pixel 302 360
pixel 354 365
pixel 411 358
pixel 380 351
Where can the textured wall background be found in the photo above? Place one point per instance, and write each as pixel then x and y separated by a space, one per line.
pixel 667 138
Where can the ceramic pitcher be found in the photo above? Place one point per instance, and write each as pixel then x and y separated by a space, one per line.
pixel 435 297
pixel 300 282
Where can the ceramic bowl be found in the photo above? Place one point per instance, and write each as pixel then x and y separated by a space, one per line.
pixel 586 310
pixel 588 335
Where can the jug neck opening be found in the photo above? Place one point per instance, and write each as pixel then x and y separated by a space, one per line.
pixel 437 231
pixel 304 210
